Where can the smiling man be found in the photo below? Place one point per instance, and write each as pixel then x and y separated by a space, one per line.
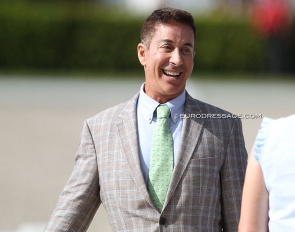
pixel 152 169
pixel 167 58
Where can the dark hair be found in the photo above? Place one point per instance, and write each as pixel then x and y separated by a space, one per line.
pixel 164 16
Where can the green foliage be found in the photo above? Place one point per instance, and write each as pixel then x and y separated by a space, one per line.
pixel 87 37
pixel 228 45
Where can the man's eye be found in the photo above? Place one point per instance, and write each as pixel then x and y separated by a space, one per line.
pixel 167 47
pixel 187 51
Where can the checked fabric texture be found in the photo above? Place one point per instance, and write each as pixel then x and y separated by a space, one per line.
pixel 161 163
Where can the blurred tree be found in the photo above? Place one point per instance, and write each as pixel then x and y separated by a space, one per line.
pixel 272 19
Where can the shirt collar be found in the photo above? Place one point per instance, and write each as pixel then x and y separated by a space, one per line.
pixel 147 105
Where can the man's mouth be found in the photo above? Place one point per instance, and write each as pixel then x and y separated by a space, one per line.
pixel 171 73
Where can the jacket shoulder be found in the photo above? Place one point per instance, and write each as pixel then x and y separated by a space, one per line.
pixel 112 114
pixel 206 108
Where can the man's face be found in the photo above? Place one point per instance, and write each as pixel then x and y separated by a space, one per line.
pixel 168 62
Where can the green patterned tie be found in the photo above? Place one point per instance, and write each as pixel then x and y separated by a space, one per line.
pixel 161 162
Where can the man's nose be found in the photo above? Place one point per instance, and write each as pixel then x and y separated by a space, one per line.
pixel 176 58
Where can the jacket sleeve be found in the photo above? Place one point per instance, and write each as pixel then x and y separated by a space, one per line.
pixel 232 178
pixel 79 199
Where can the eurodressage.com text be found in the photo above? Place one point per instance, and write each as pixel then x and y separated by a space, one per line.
pixel 218 116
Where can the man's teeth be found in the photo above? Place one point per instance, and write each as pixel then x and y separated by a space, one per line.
pixel 171 73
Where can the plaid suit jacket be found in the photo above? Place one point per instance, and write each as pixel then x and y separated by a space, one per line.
pixel 206 187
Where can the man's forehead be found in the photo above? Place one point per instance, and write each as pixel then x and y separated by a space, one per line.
pixel 175 27
pixel 160 26
pixel 172 33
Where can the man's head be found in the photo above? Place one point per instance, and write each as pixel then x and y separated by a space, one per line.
pixel 165 16
pixel 167 52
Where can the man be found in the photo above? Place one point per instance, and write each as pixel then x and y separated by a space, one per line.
pixel 119 162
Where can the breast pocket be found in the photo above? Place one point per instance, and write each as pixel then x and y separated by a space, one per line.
pixel 202 175
pixel 205 166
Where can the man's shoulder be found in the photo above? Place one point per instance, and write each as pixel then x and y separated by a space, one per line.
pixel 213 117
pixel 113 113
pixel 206 108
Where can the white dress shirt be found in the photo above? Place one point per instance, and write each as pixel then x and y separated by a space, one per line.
pixel 146 121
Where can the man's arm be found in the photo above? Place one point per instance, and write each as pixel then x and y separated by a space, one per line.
pixel 79 199
pixel 232 178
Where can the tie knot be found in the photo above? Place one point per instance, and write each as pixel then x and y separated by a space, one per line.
pixel 163 111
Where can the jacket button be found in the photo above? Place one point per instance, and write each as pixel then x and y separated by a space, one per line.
pixel 162 221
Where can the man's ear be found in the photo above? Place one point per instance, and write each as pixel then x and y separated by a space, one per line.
pixel 141 52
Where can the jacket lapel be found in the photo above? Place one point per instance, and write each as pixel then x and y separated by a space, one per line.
pixel 191 130
pixel 127 130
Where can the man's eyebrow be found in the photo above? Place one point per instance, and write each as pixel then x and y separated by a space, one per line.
pixel 165 41
pixel 189 45
pixel 170 41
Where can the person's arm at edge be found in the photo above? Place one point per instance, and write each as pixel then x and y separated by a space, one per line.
pixel 254 210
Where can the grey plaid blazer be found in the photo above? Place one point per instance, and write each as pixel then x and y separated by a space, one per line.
pixel 205 192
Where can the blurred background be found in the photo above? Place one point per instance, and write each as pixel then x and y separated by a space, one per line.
pixel 64 61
